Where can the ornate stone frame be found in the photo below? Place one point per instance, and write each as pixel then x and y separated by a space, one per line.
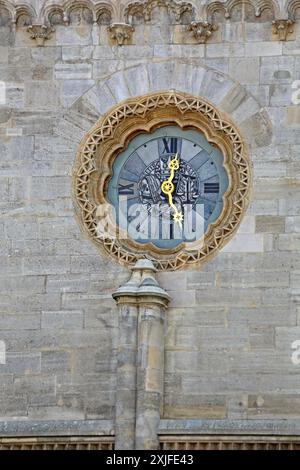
pixel 112 134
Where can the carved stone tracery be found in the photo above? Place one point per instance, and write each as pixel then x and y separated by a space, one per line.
pixel 144 9
pixel 202 30
pixel 121 33
pixel 111 136
pixel 110 12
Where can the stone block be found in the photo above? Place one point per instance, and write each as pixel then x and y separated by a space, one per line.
pixel 220 297
pixel 262 315
pixel 215 86
pixel 39 265
pixel 293 116
pixel 79 35
pixel 261 337
pixel 263 48
pixel 261 93
pixel 105 68
pixel 245 243
pixel 190 406
pixel 13 321
pixel 50 188
pixel 11 265
pixel 67 283
pixel 53 362
pixel 225 50
pixel 270 224
pixel 273 296
pixel 246 279
pixel 292 224
pixel 257 32
pixel 39 390
pixel 138 83
pixel 176 50
pixel 76 71
pixel 134 52
pixel 273 406
pixel 280 95
pixel 42 94
pixel 21 363
pixel 77 53
pixel 104 52
pixel 275 70
pixel 62 319
pixel 244 70
pixel 289 242
pixel 118 87
pixel 247 225
pixel 246 110
pixel 161 76
pixel 74 89
pixel 231 32
pixel 3 55
pixel 263 207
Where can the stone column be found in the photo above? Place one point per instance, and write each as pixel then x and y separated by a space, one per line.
pixel 125 415
pixel 140 371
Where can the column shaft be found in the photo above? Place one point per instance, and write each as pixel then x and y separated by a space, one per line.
pixel 125 416
pixel 150 374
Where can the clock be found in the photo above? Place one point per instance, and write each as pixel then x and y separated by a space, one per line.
pixel 167 187
pixel 163 176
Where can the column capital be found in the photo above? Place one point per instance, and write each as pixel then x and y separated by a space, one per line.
pixel 142 287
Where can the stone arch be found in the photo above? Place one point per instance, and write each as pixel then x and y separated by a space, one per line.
pixel 228 7
pixel 293 9
pixel 227 95
pixel 53 14
pixel 7 13
pixel 143 10
pixel 25 14
pixel 105 13
pixel 88 15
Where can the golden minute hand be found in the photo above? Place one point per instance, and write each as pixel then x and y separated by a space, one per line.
pixel 167 188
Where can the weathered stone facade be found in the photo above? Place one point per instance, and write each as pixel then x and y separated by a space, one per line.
pixel 231 324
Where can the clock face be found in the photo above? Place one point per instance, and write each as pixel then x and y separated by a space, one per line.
pixel 168 187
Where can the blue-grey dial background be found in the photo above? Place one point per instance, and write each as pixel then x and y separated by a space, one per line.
pixel 196 150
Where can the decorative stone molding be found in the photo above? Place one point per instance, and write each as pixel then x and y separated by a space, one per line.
pixel 144 9
pixel 283 28
pixel 228 6
pixel 59 11
pixel 202 30
pixel 111 135
pixel 57 443
pixel 227 442
pixel 40 33
pixel 121 33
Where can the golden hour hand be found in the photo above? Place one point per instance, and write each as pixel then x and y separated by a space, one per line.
pixel 168 188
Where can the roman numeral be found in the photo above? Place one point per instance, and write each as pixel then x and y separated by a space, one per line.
pixel 170 145
pixel 210 188
pixel 126 189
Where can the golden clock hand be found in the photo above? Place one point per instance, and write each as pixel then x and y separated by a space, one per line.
pixel 167 188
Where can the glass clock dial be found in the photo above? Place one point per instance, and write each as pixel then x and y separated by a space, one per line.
pixel 196 187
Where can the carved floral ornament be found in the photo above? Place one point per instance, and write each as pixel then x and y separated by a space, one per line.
pixel 112 134
pixel 199 18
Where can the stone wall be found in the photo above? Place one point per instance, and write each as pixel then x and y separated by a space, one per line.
pixel 232 322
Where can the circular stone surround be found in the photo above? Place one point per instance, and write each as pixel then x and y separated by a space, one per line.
pixel 112 134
